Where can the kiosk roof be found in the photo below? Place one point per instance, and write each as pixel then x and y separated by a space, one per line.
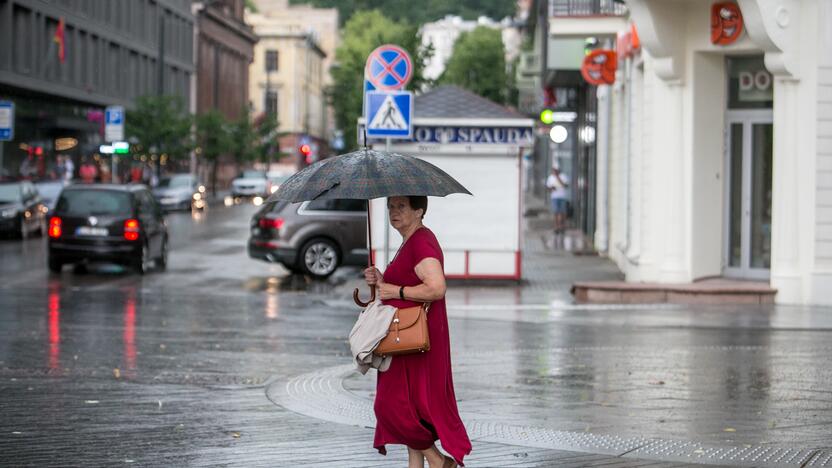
pixel 453 102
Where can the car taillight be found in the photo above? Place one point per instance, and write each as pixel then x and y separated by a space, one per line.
pixel 131 229
pixel 271 223
pixel 55 227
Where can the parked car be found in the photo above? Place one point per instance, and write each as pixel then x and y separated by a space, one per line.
pixel 251 184
pixel 314 237
pixel 276 179
pixel 49 190
pixel 180 192
pixel 22 211
pixel 108 223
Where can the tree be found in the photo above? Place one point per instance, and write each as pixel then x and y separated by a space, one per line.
pixel 213 139
pixel 478 64
pixel 364 32
pixel 243 138
pixel 161 125
pixel 419 12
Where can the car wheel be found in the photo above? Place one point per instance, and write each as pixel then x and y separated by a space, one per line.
pixel 162 260
pixel 141 264
pixel 319 258
pixel 55 266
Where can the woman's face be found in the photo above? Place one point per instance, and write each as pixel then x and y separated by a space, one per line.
pixel 402 216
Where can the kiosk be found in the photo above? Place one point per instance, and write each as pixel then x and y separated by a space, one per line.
pixel 480 144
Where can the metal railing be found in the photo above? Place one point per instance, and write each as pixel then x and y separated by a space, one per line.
pixel 579 8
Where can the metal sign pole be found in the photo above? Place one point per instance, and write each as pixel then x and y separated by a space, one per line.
pixel 387 222
pixel 2 146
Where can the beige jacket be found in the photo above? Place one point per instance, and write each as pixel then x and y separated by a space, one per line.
pixel 370 328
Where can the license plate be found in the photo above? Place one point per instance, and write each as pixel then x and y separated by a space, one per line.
pixel 167 201
pixel 91 231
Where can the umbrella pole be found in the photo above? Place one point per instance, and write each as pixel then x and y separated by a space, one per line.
pixel 369 262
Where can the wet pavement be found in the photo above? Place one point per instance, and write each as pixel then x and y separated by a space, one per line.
pixel 223 360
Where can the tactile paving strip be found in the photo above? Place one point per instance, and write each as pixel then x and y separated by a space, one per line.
pixel 321 395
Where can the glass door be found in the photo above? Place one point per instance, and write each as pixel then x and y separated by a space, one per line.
pixel 748 200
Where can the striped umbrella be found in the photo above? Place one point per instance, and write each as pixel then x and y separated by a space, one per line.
pixel 364 175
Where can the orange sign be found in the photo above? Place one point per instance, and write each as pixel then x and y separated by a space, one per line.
pixel 726 23
pixel 599 67
pixel 627 42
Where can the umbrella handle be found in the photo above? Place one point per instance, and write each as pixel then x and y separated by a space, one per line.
pixel 359 302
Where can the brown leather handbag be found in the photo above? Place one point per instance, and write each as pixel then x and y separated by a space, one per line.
pixel 408 333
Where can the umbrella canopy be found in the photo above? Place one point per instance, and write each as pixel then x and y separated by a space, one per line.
pixel 366 174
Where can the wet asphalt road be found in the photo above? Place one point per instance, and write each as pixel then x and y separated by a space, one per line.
pixel 109 368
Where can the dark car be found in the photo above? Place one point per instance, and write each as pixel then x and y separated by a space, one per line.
pixel 180 192
pixel 313 237
pixel 107 223
pixel 21 210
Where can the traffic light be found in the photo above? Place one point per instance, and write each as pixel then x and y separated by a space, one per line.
pixel 306 151
pixel 547 116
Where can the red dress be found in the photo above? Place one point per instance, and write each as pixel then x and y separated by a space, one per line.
pixel 415 402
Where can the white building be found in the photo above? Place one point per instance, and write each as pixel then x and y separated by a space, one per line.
pixel 716 160
pixel 444 33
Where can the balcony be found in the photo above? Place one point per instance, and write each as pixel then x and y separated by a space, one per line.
pixel 586 18
pixel 586 8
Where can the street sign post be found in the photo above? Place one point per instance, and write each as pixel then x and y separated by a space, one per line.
pixel 388 109
pixel 6 127
pixel 114 124
pixel 113 132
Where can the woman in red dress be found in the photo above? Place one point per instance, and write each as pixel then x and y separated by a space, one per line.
pixel 415 402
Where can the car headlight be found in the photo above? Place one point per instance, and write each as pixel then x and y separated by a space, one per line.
pixel 197 196
pixel 8 213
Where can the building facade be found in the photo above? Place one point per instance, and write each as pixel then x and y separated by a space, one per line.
pixel 290 72
pixel 111 56
pixel 715 146
pixel 443 33
pixel 224 51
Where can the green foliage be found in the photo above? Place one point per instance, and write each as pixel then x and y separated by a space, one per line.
pixel 478 64
pixel 266 145
pixel 243 137
pixel 213 139
pixel 418 12
pixel 251 6
pixel 364 32
pixel 161 125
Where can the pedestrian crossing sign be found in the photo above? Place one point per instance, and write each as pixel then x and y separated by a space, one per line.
pixel 389 114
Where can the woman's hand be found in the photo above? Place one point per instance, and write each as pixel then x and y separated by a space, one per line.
pixel 373 276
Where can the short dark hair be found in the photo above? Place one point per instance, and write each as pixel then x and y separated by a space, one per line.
pixel 418 202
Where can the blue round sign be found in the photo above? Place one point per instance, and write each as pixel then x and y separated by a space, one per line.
pixel 389 67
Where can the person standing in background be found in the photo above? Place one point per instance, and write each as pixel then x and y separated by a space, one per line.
pixel 558 185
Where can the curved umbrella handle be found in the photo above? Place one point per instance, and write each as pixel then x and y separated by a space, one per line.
pixel 359 302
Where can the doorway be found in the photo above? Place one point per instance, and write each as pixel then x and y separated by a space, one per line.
pixel 749 190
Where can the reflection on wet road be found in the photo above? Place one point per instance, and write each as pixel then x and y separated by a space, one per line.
pixel 170 368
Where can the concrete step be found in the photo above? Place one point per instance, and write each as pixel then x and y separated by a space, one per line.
pixel 710 291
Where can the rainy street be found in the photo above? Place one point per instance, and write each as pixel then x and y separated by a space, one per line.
pixel 223 360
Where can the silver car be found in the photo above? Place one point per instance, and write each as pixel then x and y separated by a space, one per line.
pixel 180 192
pixel 313 237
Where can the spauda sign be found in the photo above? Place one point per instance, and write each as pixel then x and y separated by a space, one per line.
pixel 476 135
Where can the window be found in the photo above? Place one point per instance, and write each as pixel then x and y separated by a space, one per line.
pixel 271 60
pixel 337 205
pixel 271 103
